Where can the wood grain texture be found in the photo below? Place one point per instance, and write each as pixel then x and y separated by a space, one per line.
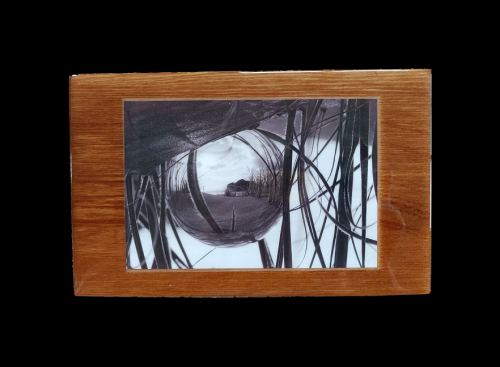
pixel 98 213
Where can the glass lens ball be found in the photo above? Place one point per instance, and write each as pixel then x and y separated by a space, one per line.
pixel 227 193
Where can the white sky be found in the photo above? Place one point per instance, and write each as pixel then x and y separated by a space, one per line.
pixel 226 160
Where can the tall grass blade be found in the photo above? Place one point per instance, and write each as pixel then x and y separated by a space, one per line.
pixel 321 116
pixel 346 147
pixel 333 244
pixel 138 206
pixel 154 231
pixel 374 160
pixel 128 233
pixel 133 222
pixel 364 125
pixel 338 182
pixel 356 252
pixel 345 230
pixel 208 253
pixel 196 194
pixel 163 215
pixel 295 168
pixel 178 261
pixel 332 187
pixel 172 225
pixel 331 197
pixel 322 229
pixel 320 124
pixel 302 188
pixel 307 213
pixel 279 256
pixel 265 255
pixel 354 141
pixel 160 215
pixel 287 172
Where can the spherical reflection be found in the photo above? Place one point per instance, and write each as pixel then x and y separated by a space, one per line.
pixel 228 192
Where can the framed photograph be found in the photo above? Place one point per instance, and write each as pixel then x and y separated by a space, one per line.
pixel 251 184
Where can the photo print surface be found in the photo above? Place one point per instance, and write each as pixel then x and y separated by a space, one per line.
pixel 217 184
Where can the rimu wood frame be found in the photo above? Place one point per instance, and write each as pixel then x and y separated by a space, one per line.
pixel 97 191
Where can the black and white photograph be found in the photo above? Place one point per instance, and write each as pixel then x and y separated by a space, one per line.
pixel 250 184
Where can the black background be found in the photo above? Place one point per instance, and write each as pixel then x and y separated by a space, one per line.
pixel 368 313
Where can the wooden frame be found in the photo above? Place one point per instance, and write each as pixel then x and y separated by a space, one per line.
pixel 404 236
